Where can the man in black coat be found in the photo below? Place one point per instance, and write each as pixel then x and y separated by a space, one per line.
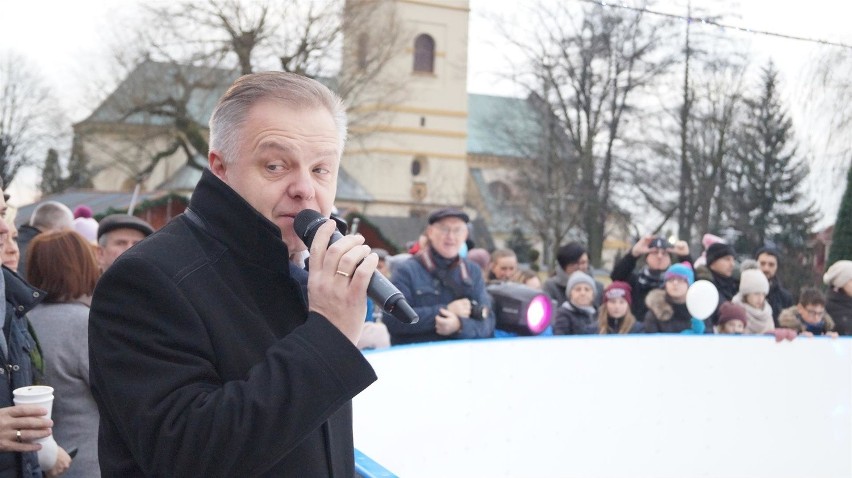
pixel 206 357
pixel 778 297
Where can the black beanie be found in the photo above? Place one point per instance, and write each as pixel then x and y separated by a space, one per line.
pixel 717 251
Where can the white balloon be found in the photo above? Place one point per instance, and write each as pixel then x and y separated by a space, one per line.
pixel 702 298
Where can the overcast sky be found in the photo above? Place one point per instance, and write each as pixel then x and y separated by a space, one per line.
pixel 66 40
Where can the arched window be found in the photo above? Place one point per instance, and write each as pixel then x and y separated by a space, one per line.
pixel 363 45
pixel 500 191
pixel 424 53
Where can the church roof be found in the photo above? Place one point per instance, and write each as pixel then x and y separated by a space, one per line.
pixel 155 84
pixel 100 202
pixel 501 126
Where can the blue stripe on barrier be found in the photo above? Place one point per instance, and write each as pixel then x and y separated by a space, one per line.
pixel 365 467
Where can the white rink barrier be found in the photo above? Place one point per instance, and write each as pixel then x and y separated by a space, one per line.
pixel 611 406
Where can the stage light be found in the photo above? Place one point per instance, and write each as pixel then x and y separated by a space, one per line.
pixel 520 309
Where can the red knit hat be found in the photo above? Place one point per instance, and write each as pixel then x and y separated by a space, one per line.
pixel 618 289
pixel 729 311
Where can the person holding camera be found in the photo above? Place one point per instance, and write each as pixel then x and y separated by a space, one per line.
pixel 446 290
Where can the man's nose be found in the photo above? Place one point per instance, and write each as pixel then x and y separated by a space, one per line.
pixel 302 186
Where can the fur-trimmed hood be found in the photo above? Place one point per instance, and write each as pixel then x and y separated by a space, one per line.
pixel 657 303
pixel 789 319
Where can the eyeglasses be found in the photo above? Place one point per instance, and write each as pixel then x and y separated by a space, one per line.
pixel 815 313
pixel 456 232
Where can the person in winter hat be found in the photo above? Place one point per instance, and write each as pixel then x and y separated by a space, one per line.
pixel 571 257
pixel 667 312
pixel 576 315
pixel 733 318
pixel 615 316
pixel 707 241
pixel 720 271
pixel 838 302
pixel 657 254
pixel 754 287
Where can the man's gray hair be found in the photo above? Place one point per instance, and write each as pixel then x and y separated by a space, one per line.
pixel 52 216
pixel 295 91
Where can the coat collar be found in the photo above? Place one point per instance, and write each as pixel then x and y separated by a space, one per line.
pixel 237 225
pixel 20 295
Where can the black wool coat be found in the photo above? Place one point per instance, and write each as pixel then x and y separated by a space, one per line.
pixel 205 361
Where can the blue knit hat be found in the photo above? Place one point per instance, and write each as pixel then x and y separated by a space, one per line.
pixel 682 270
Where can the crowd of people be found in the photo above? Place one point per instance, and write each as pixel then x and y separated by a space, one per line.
pixel 646 291
pixel 225 326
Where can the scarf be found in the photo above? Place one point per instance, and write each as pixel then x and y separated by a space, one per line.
pixel 759 320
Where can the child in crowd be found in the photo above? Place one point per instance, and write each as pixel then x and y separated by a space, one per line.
pixel 754 286
pixel 615 316
pixel 733 318
pixel 577 314
pixel 667 312
pixel 528 278
pixel 808 317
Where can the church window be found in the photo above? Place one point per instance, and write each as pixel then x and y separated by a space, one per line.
pixel 424 54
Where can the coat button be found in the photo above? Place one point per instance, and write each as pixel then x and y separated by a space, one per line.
pixel 35 294
pixel 20 308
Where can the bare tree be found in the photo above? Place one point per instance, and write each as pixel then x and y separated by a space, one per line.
pixel 595 65
pixel 188 53
pixel 30 122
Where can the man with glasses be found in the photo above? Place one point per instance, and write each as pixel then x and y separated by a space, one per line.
pixel 446 290
pixel 657 252
pixel 808 317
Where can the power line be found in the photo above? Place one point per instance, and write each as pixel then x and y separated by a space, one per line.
pixel 706 21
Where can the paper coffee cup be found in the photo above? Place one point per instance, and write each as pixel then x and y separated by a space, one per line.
pixel 42 396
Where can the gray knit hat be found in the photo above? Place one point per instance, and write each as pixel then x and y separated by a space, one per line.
pixel 578 277
pixel 838 274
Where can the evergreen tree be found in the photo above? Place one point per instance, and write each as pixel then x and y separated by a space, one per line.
pixel 768 203
pixel 79 175
pixel 51 174
pixel 522 247
pixel 841 244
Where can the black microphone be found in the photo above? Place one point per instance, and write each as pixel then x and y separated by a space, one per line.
pixel 380 289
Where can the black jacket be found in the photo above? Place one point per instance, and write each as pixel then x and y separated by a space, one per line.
pixel 839 306
pixel 205 361
pixel 779 298
pixel 22 367
pixel 641 281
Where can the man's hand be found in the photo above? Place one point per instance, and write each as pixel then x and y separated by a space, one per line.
pixel 338 279
pixel 447 323
pixel 460 307
pixel 641 247
pixel 32 423
pixel 680 248
pixel 63 462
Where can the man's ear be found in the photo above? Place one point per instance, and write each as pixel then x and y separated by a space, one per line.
pixel 217 165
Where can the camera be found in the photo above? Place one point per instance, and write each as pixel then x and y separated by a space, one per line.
pixel 477 310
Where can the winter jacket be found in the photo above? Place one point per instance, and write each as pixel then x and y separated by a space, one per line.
pixel 22 367
pixel 839 306
pixel 427 295
pixel 641 282
pixel 205 361
pixel 667 317
pixel 572 320
pixel 63 333
pixel 789 318
pixel 778 298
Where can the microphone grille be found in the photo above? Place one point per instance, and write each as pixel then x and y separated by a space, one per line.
pixel 305 224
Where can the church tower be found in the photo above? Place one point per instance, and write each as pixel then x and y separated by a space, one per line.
pixel 405 79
